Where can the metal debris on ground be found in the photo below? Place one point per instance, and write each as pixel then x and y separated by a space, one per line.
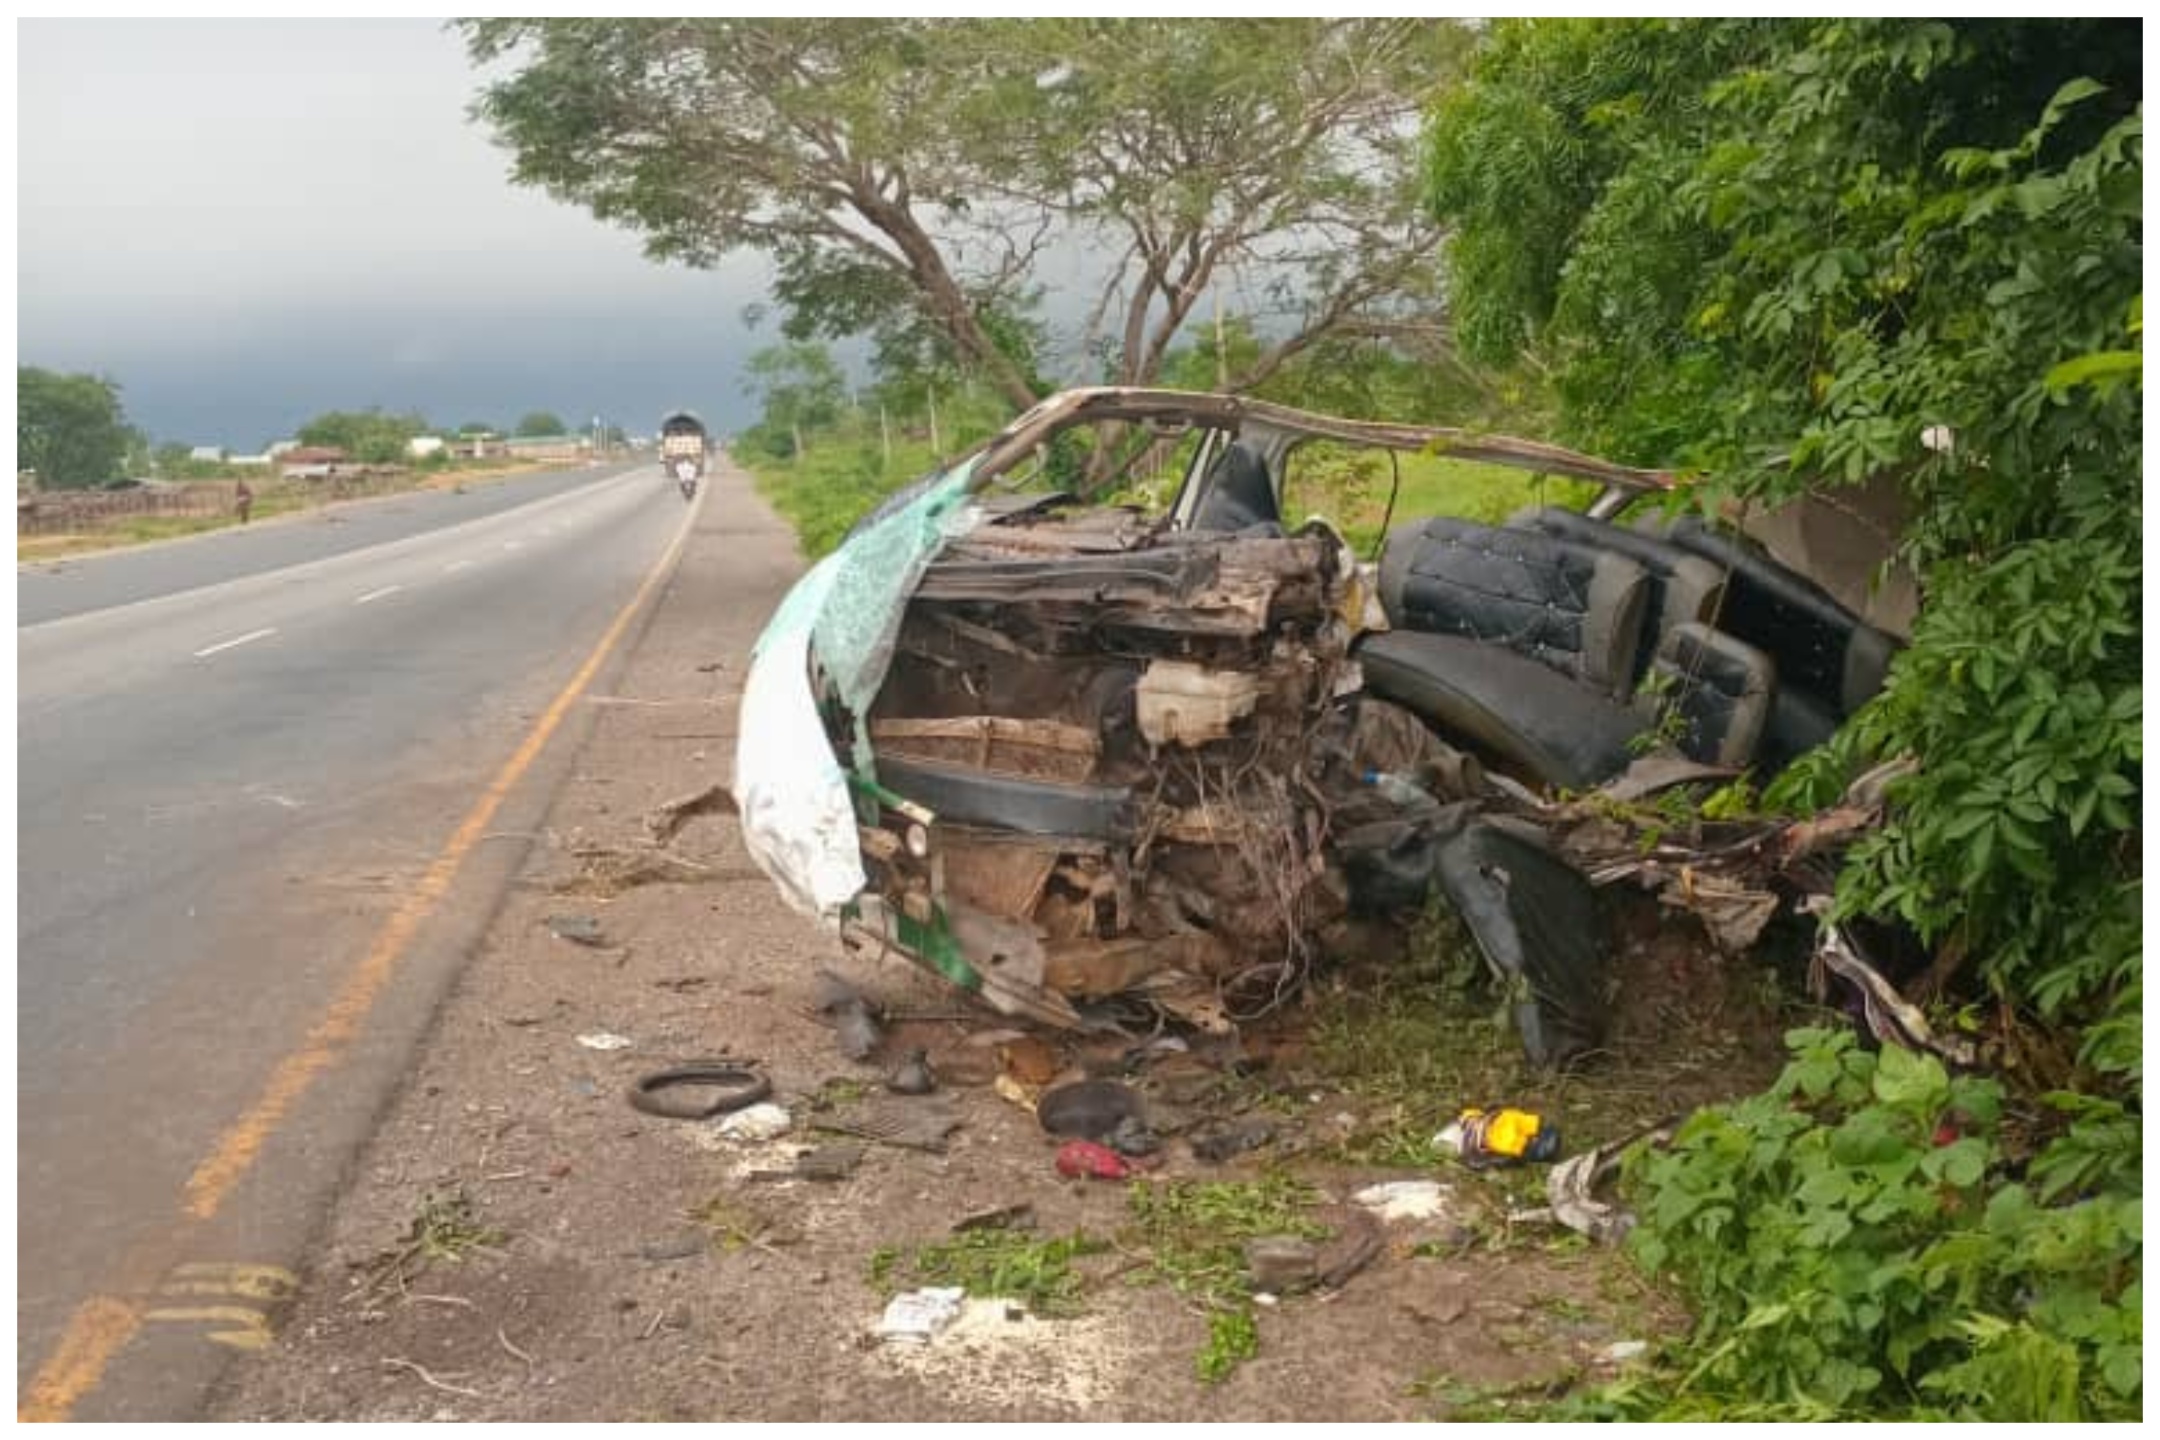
pixel 1891 1018
pixel 917 1316
pixel 825 1163
pixel 911 1124
pixel 1570 1190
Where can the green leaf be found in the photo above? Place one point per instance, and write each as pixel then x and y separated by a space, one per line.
pixel 1909 1080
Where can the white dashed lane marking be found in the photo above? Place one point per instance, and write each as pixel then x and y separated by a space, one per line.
pixel 240 640
pixel 378 594
pixel 454 566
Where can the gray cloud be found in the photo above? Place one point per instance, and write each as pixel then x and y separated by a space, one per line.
pixel 248 222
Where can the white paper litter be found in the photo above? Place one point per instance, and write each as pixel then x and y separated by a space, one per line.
pixel 917 1315
pixel 1405 1199
pixel 605 1040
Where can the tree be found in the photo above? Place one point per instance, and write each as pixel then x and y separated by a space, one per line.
pixel 1217 154
pixel 906 176
pixel 369 436
pixel 541 423
pixel 801 387
pixel 69 428
pixel 477 427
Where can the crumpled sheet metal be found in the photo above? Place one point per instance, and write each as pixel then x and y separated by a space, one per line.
pixel 1571 1188
pixel 1891 1018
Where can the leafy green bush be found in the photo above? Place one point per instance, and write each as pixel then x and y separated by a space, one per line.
pixel 1855 1240
pixel 1799 255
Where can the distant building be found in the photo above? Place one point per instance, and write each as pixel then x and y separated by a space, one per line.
pixel 422 446
pixel 250 462
pixel 310 462
pixel 210 454
pixel 281 447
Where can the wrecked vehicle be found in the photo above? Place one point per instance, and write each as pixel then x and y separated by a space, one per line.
pixel 1090 762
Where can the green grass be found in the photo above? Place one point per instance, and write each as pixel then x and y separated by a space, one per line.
pixel 1350 487
pixel 1005 1264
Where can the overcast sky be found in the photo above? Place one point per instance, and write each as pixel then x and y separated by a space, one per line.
pixel 249 222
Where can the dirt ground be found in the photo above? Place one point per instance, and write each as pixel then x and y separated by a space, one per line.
pixel 518 1243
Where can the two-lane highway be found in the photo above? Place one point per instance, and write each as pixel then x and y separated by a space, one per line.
pixel 244 764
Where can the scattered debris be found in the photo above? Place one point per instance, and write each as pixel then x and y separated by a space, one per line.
pixel 1086 1160
pixel 736 1083
pixel 1282 1264
pixel 1029 1059
pixel 911 1124
pixel 605 871
pixel 756 1124
pixel 678 1247
pixel 828 1163
pixel 915 1316
pixel 1570 1189
pixel 1890 1017
pixel 1233 1140
pixel 605 1040
pixel 913 1076
pixel 853 1017
pixel 1405 1199
pixel 1622 1351
pixel 1023 1095
pixel 1357 1243
pixel 1503 1136
pixel 579 929
pixel 664 821
pixel 1099 1110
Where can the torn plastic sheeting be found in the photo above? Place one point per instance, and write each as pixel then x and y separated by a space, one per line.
pixel 798 818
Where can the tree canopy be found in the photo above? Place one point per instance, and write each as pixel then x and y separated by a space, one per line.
pixel 69 428
pixel 540 423
pixel 371 436
pixel 908 178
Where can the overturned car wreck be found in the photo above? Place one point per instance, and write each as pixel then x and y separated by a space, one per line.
pixel 1096 764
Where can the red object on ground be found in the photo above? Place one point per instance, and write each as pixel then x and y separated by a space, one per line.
pixel 1084 1159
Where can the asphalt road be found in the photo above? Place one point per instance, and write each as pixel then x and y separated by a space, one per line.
pixel 237 758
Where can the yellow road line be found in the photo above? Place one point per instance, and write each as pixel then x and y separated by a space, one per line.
pixel 103 1324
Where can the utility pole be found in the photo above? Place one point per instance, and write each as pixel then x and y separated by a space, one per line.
pixel 884 432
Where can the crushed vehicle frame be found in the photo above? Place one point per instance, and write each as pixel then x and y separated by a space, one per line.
pixel 1098 766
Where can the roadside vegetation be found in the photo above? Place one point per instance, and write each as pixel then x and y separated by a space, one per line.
pixel 1781 257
